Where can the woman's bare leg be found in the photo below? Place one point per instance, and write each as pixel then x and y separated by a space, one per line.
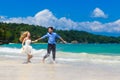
pixel 29 57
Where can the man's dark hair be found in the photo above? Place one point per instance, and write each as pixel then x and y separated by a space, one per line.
pixel 50 28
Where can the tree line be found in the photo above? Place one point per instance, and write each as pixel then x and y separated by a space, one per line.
pixel 12 31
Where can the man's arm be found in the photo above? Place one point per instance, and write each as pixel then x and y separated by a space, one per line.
pixel 63 40
pixel 45 36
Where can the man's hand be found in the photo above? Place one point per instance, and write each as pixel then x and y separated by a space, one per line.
pixel 64 42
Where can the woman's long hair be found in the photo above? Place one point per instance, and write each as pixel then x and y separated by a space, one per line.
pixel 23 35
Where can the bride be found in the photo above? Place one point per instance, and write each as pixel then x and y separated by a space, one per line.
pixel 26 47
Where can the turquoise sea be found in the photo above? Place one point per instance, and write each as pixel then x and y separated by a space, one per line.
pixel 96 53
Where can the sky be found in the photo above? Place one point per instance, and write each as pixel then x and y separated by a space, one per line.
pixel 94 16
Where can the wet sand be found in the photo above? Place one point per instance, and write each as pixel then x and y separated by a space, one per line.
pixel 13 69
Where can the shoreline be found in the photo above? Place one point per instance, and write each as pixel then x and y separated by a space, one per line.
pixel 67 43
pixel 13 69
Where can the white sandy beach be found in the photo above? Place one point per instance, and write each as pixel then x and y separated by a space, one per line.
pixel 15 70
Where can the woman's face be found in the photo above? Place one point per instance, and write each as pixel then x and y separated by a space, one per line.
pixel 28 35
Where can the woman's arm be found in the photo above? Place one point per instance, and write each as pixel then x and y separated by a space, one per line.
pixel 23 42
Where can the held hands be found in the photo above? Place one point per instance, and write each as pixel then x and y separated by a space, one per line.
pixel 35 41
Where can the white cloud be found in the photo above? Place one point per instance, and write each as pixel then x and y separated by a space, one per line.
pixel 46 18
pixel 113 26
pixel 2 18
pixel 98 13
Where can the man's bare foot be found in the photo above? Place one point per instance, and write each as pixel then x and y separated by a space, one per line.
pixel 54 62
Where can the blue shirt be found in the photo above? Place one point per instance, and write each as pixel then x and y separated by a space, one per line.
pixel 51 37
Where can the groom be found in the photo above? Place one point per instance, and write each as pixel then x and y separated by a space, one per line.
pixel 51 43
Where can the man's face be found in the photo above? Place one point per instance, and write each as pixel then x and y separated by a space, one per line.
pixel 50 30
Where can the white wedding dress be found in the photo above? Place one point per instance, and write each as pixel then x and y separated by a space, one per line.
pixel 27 48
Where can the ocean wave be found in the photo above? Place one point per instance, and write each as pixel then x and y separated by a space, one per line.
pixel 61 56
pixel 17 50
pixel 88 57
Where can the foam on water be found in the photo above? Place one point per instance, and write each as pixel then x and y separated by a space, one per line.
pixel 61 56
pixel 86 57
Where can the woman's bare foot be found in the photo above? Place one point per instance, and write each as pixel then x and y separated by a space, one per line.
pixel 43 60
pixel 27 62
